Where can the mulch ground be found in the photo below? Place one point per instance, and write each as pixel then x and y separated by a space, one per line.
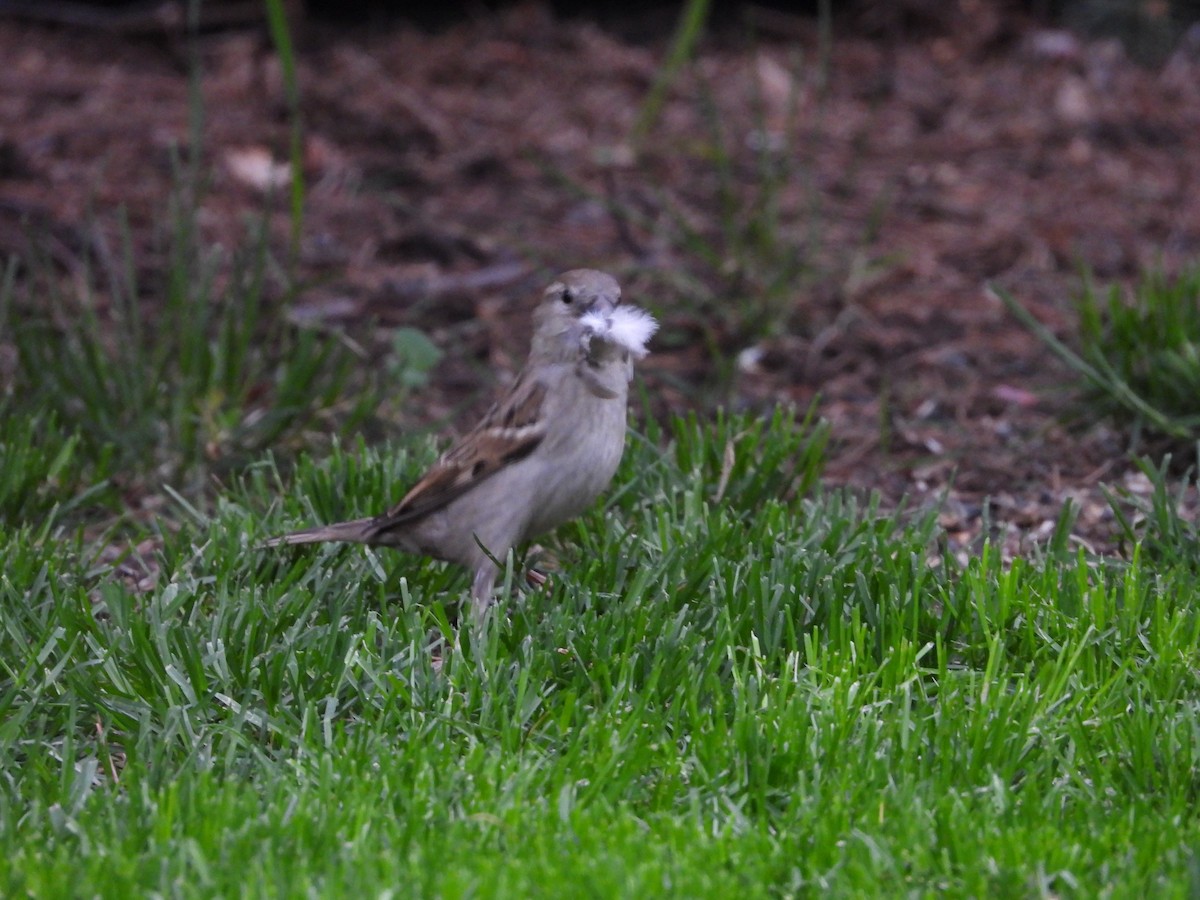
pixel 448 173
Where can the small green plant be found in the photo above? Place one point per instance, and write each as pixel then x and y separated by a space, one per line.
pixel 413 357
pixel 1138 354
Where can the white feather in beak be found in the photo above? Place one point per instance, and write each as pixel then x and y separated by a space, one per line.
pixel 626 326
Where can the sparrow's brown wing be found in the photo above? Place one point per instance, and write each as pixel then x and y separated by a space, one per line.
pixel 511 430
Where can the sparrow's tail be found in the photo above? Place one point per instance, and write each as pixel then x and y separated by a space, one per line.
pixel 358 531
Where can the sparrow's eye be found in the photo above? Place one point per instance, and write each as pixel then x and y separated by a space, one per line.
pixel 568 296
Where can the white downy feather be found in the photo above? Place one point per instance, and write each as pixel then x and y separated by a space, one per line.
pixel 627 327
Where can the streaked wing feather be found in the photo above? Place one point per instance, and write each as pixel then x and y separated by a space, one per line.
pixel 510 431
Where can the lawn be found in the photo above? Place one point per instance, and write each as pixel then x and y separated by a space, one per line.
pixel 776 691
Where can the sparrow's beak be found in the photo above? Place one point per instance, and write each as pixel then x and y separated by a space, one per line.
pixel 603 305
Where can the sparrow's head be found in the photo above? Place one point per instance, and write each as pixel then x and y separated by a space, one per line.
pixel 570 297
pixel 576 293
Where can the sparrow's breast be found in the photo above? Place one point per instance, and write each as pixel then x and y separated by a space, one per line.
pixel 581 452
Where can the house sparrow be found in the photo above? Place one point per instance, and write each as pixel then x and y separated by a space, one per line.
pixel 540 456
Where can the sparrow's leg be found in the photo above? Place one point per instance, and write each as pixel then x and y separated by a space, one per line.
pixel 483 587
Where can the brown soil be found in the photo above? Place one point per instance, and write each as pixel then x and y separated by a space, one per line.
pixel 448 174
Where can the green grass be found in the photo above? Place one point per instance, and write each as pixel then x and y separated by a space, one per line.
pixel 174 392
pixel 733 685
pixel 1137 355
pixel 42 474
